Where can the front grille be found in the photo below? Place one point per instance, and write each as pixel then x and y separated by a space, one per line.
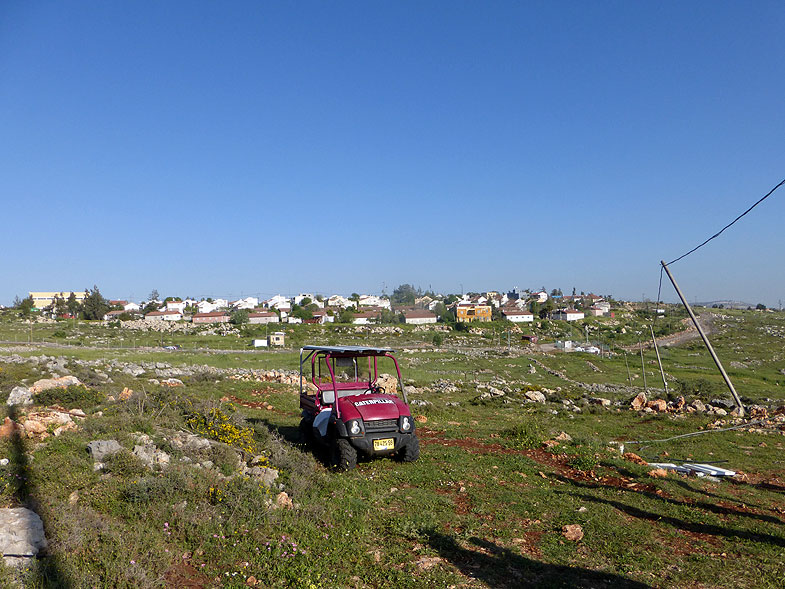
pixel 381 425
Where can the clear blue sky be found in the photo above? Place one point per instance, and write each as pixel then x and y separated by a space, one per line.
pixel 203 148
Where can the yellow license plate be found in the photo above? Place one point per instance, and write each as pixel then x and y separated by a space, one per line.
pixel 384 444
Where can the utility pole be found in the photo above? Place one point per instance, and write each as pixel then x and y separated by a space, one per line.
pixel 627 364
pixel 659 361
pixel 643 367
pixel 705 339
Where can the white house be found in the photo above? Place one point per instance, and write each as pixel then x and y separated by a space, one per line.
pixel 206 306
pixel 246 303
pixel 306 295
pixel 374 301
pixel 132 307
pixel 323 317
pixel 540 296
pixel 276 302
pixel 292 319
pixel 365 317
pixel 419 317
pixel 164 316
pixel 178 306
pixel 517 315
pixel 263 317
pixel 568 315
pixel 339 301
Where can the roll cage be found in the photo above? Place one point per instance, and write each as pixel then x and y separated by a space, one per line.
pixel 330 357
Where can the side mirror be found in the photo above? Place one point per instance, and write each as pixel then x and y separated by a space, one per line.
pixel 328 397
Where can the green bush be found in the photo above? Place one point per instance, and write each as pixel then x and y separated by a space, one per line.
pixel 525 435
pixel 71 397
pixel 124 464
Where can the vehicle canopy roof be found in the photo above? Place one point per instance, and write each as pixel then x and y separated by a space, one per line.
pixel 351 350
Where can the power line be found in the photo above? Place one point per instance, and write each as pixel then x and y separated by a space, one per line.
pixel 697 247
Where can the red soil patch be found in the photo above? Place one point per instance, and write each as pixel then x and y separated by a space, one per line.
pixel 184 575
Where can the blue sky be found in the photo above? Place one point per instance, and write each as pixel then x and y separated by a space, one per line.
pixel 220 149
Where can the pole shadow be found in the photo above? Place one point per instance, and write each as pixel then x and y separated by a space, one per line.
pixel 501 568
pixel 48 571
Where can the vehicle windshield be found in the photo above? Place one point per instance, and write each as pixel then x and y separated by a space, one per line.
pixel 347 370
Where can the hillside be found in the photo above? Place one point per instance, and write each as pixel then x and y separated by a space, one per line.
pixel 201 480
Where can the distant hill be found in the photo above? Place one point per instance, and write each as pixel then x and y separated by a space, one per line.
pixel 727 304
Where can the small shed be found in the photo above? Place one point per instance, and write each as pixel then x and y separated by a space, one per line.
pixel 277 339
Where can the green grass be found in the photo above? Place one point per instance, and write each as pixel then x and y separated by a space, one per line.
pixel 484 506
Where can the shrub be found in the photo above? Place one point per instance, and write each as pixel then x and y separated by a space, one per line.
pixel 216 424
pixel 525 435
pixel 70 397
pixel 438 338
pixel 124 464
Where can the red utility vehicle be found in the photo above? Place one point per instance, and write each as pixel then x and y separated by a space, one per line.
pixel 346 410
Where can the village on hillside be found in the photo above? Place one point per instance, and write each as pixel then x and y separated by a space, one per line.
pixel 406 305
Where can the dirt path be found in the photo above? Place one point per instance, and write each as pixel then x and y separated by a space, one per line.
pixel 682 337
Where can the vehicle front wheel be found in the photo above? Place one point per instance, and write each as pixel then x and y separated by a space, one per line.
pixel 343 455
pixel 306 430
pixel 411 451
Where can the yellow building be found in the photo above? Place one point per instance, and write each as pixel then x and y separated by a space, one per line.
pixel 44 299
pixel 467 312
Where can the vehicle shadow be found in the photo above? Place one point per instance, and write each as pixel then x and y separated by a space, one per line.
pixel 500 567
pixel 48 572
pixel 290 433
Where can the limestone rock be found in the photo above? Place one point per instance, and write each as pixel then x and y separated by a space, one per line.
pixel 52 383
pixel 283 501
pixel 11 428
pixel 698 405
pixel 535 396
pixel 573 532
pixel 152 456
pixel 20 396
pixel 265 475
pixel 21 534
pixel 639 402
pixel 100 449
pixel 658 405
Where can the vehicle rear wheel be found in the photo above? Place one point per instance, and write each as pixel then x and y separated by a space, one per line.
pixel 411 451
pixel 306 430
pixel 343 456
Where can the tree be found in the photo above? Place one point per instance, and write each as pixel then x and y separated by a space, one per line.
pixel 60 306
pixel 25 306
pixel 153 296
pixel 534 307
pixel 573 291
pixel 73 305
pixel 405 294
pixel 95 306
pixel 345 315
pixel 239 317
pixel 760 307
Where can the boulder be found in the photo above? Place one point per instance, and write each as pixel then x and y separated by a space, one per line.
pixel 660 405
pixel 639 402
pixel 600 401
pixel 678 404
pixel 265 475
pixel 10 429
pixel 99 449
pixel 20 396
pixel 283 501
pixel 535 396
pixel 151 456
pixel 52 383
pixel 698 405
pixel 21 534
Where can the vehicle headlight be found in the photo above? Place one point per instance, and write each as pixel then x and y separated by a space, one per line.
pixel 354 427
pixel 406 423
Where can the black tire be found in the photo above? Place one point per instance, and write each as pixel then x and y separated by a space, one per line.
pixel 411 451
pixel 343 456
pixel 306 430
